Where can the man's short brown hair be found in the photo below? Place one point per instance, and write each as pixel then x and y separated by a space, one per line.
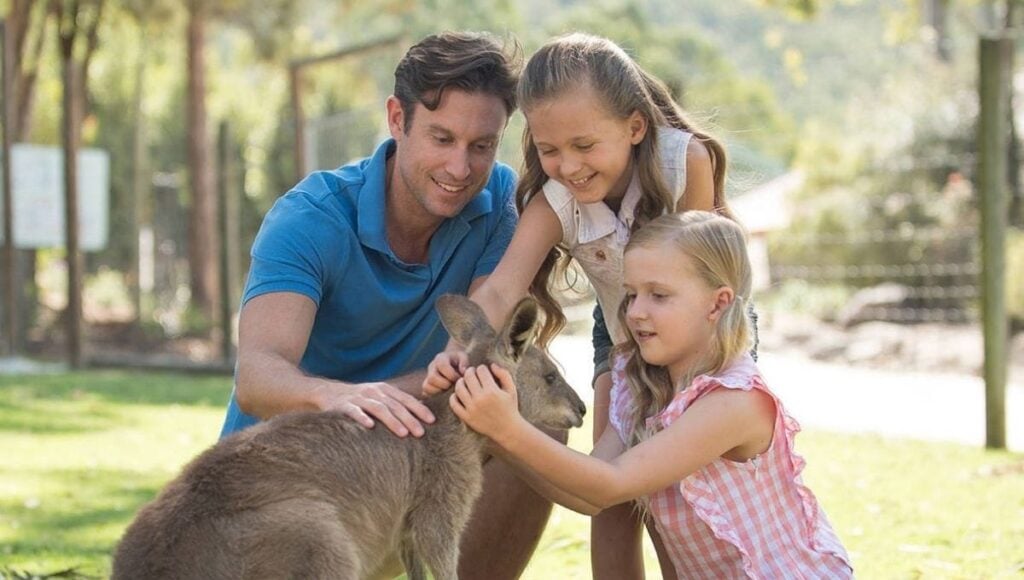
pixel 468 61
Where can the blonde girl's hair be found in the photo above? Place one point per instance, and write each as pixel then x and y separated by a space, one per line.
pixel 716 250
pixel 579 61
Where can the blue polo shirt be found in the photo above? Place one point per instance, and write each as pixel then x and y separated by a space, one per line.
pixel 375 315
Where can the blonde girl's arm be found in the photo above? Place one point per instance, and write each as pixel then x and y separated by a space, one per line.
pixel 536 234
pixel 608 447
pixel 700 179
pixel 734 424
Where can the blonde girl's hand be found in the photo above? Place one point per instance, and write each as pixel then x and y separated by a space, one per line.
pixel 486 400
pixel 444 370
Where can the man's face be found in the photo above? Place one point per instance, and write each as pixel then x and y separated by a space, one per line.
pixel 446 156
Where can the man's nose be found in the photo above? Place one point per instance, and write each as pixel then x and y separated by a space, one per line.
pixel 458 164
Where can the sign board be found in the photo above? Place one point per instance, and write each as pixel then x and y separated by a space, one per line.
pixel 37 185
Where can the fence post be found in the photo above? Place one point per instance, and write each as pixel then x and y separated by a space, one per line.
pixel 229 226
pixel 993 96
pixel 10 314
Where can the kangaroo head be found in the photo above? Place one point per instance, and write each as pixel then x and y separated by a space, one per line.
pixel 545 399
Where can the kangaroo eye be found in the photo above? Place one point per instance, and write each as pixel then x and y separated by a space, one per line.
pixel 550 378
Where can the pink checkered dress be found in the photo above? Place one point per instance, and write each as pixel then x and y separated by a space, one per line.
pixel 754 519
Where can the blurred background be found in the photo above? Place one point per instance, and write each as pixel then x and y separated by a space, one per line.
pixel 851 128
pixel 861 158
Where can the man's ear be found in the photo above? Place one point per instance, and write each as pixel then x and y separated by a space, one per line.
pixel 396 117
pixel 723 298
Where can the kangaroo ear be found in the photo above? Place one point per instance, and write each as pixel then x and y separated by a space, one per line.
pixel 465 320
pixel 521 329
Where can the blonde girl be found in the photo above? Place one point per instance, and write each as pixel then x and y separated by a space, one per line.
pixel 697 436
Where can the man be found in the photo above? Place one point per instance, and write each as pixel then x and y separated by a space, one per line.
pixel 338 310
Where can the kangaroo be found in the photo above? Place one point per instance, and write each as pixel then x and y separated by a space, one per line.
pixel 315 495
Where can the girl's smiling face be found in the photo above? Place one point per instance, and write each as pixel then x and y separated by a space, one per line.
pixel 583 146
pixel 671 310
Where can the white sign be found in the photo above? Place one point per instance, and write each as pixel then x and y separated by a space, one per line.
pixel 37 186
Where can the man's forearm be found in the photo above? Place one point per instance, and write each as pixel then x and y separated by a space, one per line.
pixel 269 385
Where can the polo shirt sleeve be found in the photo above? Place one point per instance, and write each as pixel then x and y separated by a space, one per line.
pixel 292 249
pixel 503 187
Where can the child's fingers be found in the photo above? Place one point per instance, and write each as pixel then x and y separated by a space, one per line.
pixel 450 368
pixel 461 359
pixel 431 389
pixel 457 406
pixel 487 379
pixel 472 380
pixel 503 377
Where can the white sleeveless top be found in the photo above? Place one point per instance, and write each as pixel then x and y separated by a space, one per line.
pixel 596 237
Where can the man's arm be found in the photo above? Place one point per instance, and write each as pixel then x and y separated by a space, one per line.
pixel 273 331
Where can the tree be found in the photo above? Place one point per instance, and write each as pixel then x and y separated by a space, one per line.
pixel 77 35
pixel 265 21
pixel 26 30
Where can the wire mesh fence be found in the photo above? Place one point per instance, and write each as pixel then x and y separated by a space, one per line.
pixel 904 298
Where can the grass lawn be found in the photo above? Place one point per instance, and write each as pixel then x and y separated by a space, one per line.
pixel 81 452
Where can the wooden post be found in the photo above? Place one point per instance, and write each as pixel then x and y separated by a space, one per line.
pixel 141 179
pixel 993 96
pixel 74 254
pixel 295 69
pixel 10 317
pixel 230 231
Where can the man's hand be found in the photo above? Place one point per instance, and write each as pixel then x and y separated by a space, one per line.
pixel 486 400
pixel 397 410
pixel 444 370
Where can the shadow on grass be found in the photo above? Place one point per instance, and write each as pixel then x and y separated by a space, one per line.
pixel 125 387
pixel 83 401
pixel 47 419
pixel 80 517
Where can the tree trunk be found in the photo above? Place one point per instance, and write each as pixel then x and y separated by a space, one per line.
pixel 140 175
pixel 1013 150
pixel 203 242
pixel 937 16
pixel 23 17
pixel 73 313
pixel 67 30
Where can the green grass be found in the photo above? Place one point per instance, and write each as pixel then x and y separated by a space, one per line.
pixel 81 452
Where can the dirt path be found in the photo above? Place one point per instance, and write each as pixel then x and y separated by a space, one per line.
pixel 939 406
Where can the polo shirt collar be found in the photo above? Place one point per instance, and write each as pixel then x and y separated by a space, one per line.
pixel 372 202
pixel 372 197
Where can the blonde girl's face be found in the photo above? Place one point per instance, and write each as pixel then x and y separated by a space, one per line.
pixel 671 311
pixel 583 146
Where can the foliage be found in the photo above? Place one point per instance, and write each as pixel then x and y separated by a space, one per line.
pixel 822 301
pixel 849 91
pixel 884 193
pixel 84 451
